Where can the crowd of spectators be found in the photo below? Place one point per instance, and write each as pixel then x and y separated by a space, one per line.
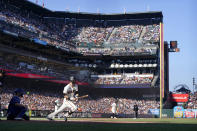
pixel 37 100
pixel 95 35
pixel 65 34
pixel 125 105
pixel 117 51
pixel 126 34
pixel 122 34
pixel 152 33
pixel 33 26
pixel 123 79
pixel 192 103
pixel 16 19
pixel 46 101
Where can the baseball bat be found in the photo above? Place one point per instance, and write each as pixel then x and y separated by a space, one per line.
pixel 84 96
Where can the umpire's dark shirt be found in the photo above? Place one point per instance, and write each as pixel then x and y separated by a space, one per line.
pixel 135 108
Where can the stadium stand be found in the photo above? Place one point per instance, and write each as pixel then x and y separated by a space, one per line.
pixel 38 100
pixel 105 51
pixel 63 34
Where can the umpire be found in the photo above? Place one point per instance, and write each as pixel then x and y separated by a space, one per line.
pixel 135 109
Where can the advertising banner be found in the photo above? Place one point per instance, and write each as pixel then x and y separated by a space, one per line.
pixel 180 97
pixel 154 112
pixel 190 113
pixel 178 112
pixel 40 41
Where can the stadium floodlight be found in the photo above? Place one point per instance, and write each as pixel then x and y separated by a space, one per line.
pixel 154 65
pixel 140 65
pixel 121 65
pixel 150 65
pixel 112 65
pixel 126 65
pixel 145 65
pixel 135 65
pixel 117 65
pixel 130 65
pixel 90 65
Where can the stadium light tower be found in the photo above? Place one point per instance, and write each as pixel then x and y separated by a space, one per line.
pixel 165 48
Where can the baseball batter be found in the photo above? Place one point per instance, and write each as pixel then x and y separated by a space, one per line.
pixel 70 94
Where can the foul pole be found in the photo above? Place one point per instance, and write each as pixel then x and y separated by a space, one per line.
pixel 161 68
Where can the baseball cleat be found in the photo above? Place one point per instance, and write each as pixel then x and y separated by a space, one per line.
pixel 50 119
pixel 65 119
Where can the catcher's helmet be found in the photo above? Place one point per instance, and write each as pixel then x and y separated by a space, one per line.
pixel 19 91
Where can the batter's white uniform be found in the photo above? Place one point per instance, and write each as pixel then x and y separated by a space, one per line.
pixel 57 106
pixel 67 102
pixel 114 108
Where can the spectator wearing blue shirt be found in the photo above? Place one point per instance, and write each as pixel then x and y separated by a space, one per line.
pixel 16 111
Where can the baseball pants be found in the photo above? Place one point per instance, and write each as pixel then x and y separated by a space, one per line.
pixel 66 103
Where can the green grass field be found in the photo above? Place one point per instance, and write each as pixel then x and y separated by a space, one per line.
pixel 100 124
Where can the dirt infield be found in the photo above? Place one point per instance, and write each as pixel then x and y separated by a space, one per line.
pixel 108 120
pixel 92 121
pixel 100 121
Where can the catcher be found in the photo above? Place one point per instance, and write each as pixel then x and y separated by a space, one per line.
pixel 70 94
pixel 16 110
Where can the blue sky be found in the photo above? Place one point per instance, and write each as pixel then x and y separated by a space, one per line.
pixel 179 24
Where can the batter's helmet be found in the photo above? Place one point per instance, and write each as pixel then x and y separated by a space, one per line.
pixel 72 78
